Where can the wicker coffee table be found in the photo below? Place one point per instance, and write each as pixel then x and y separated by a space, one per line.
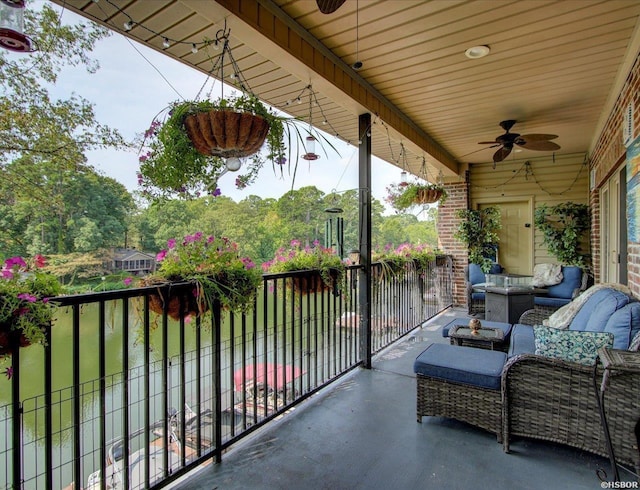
pixel 486 338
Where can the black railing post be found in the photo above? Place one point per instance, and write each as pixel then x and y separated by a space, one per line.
pixel 364 183
pixel 16 409
pixel 216 318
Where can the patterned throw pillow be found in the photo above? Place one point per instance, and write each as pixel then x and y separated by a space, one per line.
pixel 570 345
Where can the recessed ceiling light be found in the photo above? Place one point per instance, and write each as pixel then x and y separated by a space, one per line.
pixel 477 52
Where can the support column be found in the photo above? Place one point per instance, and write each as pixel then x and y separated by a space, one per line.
pixel 364 185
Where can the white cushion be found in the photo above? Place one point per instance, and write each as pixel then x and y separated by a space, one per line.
pixel 546 275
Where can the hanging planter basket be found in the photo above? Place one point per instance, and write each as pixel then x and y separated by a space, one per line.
pixel 6 340
pixel 428 196
pixel 226 133
pixel 311 283
pixel 179 301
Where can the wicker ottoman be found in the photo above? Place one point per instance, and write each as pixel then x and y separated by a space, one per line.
pixel 462 383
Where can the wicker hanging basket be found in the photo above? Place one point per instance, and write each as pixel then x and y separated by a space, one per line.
pixel 428 196
pixel 180 302
pixel 6 340
pixel 226 133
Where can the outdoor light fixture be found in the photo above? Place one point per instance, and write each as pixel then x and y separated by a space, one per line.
pixel 128 25
pixel 233 164
pixel 354 256
pixel 194 49
pixel 12 26
pixel 165 43
pixel 310 145
pixel 477 52
pixel 403 177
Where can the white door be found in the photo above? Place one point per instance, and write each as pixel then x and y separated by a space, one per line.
pixel 611 247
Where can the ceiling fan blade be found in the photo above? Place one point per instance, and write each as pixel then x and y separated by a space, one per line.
pixel 488 143
pixel 539 145
pixel 501 154
pixel 538 137
pixel 329 6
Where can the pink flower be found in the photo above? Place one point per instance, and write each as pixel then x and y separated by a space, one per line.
pixel 248 263
pixel 171 243
pixel 295 243
pixel 161 255
pixel 39 261
pixel 7 274
pixel 29 298
pixel 127 281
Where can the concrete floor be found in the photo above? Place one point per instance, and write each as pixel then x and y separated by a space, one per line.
pixel 361 433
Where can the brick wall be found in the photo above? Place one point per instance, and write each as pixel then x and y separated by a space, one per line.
pixel 458 198
pixel 607 153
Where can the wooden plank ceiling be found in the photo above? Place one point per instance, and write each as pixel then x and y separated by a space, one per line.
pixel 554 66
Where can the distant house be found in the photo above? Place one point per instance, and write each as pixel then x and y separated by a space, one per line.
pixel 132 261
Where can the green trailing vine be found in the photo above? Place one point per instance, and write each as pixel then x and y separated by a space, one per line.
pixel 478 230
pixel 564 226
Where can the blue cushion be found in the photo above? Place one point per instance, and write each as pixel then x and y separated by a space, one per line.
pixel 624 324
pixel 466 365
pixel 477 296
pixel 571 279
pixel 476 275
pixel 595 313
pixel 506 327
pixel 522 340
pixel 552 302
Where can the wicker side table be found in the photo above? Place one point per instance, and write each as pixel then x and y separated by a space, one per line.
pixel 614 362
pixel 485 338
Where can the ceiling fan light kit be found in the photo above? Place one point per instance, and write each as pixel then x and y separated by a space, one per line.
pixel 537 142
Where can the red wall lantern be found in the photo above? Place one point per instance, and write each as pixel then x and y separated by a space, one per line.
pixel 12 25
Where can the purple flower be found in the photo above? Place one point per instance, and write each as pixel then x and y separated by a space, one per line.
pixel 281 161
pixel 248 263
pixel 127 281
pixel 7 274
pixel 217 192
pixel 9 372
pixel 13 261
pixel 29 298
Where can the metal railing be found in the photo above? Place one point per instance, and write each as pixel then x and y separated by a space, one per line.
pixel 118 383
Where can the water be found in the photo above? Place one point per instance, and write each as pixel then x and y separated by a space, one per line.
pixel 307 348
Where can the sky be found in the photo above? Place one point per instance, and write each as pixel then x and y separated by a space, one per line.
pixel 135 83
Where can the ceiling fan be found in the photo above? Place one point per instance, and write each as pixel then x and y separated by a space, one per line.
pixel 329 6
pixel 538 142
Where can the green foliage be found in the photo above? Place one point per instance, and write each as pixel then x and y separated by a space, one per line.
pixel 25 290
pixel 407 195
pixel 396 261
pixel 171 165
pixel 564 226
pixel 299 258
pixel 31 122
pixel 214 265
pixel 478 230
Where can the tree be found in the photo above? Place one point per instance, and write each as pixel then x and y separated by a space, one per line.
pixel 42 140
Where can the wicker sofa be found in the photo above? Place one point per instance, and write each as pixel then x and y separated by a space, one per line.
pixel 535 396
pixel 554 400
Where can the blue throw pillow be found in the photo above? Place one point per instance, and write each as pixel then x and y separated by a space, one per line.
pixel 570 345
